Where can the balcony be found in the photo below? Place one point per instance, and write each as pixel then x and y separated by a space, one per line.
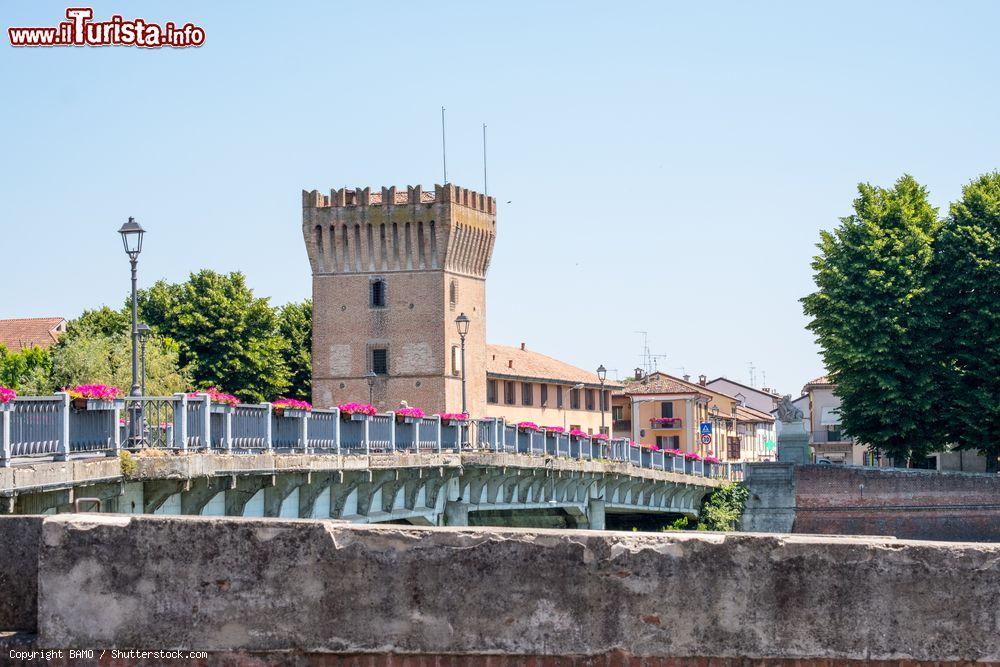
pixel 665 423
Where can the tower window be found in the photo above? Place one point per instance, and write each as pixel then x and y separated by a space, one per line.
pixel 380 361
pixel 526 393
pixel 378 293
pixel 491 391
pixel 453 294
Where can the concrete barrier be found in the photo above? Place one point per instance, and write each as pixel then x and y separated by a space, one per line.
pixel 263 587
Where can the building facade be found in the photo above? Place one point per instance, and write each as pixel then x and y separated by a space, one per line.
pixel 762 400
pixel 523 385
pixel 391 272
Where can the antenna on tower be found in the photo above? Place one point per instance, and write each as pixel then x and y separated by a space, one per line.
pixel 444 150
pixel 486 190
pixel 753 375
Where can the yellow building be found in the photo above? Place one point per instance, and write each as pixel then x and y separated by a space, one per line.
pixel 523 385
pixel 663 410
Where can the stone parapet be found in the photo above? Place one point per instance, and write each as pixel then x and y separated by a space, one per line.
pixel 242 587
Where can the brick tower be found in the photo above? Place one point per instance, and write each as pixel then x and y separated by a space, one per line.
pixel 391 272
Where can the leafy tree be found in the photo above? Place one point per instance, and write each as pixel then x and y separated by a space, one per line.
pixel 724 508
pixel 96 359
pixel 870 312
pixel 100 322
pixel 27 371
pixel 965 297
pixel 227 336
pixel 295 329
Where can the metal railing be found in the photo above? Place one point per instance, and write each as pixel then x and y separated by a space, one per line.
pixel 51 426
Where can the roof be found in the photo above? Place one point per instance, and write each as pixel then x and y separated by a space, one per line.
pixel 740 384
pixel 661 383
pixel 821 381
pixel 42 332
pixel 520 362
pixel 748 414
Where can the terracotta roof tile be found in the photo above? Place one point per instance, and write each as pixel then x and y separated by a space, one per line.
pixel 516 362
pixel 661 383
pixel 18 334
pixel 748 414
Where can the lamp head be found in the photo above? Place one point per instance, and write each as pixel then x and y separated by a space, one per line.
pixel 132 233
pixel 602 372
pixel 462 323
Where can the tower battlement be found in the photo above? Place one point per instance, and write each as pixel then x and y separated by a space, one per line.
pixel 412 195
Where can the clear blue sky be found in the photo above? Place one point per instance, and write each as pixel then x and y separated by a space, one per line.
pixel 668 166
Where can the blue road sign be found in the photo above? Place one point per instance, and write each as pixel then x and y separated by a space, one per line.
pixel 706 428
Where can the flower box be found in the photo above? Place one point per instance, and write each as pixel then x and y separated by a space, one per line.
pixel 407 419
pixel 354 416
pixel 409 415
pixel 7 397
pixel 220 408
pixel 84 404
pixel 289 413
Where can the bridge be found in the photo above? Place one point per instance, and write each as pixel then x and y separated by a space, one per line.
pixel 186 455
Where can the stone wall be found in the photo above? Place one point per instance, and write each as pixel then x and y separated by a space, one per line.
pixel 849 500
pixel 249 586
pixel 19 544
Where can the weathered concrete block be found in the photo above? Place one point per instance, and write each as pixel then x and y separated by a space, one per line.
pixel 311 586
pixel 20 537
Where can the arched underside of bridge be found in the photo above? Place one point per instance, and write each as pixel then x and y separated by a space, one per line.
pixel 480 495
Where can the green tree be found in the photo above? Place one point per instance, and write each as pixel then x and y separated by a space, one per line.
pixel 724 508
pixel 28 372
pixel 869 314
pixel 965 296
pixel 295 329
pixel 100 322
pixel 97 359
pixel 227 336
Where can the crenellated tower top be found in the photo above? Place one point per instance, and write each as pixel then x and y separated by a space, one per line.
pixel 413 195
pixel 362 231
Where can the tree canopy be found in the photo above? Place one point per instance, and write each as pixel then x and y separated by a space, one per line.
pixel 907 313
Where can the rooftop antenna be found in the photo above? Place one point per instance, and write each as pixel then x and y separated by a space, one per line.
pixel 444 150
pixel 763 375
pixel 753 375
pixel 486 190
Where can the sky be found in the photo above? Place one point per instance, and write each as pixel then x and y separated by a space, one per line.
pixel 662 167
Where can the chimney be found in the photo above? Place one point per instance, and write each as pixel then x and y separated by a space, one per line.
pixel 522 347
pixel 702 380
pixel 638 374
pixel 510 363
pixel 687 378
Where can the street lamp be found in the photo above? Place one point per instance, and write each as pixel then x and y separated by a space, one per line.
pixel 371 385
pixel 143 330
pixel 462 324
pixel 602 373
pixel 132 233
pixel 715 416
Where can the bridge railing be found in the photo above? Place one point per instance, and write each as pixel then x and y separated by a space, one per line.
pixel 51 426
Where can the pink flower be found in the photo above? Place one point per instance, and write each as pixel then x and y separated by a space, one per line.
pixel 215 395
pixel 708 458
pixel 692 456
pixel 577 433
pixel 600 436
pixel 293 404
pixel 100 392
pixel 453 416
pixel 357 408
pixel 416 413
pixel 554 429
pixel 528 426
pixel 7 395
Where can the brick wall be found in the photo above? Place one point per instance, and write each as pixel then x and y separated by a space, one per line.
pixel 911 504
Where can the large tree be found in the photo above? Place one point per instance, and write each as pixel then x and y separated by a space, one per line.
pixel 965 291
pixel 295 329
pixel 26 371
pixel 92 358
pixel 869 314
pixel 228 337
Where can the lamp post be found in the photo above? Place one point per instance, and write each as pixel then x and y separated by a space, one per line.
pixel 132 233
pixel 143 330
pixel 602 373
pixel 715 427
pixel 462 324
pixel 371 385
